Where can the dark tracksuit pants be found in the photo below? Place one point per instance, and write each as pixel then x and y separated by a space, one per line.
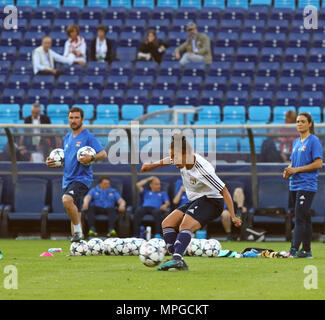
pixel 111 213
pixel 302 233
pixel 141 212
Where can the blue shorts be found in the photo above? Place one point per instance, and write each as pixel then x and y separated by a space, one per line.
pixel 77 191
pixel 203 209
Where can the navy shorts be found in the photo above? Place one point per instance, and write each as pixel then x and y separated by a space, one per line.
pixel 203 209
pixel 77 191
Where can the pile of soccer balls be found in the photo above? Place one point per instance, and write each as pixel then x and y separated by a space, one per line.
pixel 151 253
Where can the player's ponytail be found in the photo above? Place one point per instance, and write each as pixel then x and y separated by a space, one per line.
pixel 310 120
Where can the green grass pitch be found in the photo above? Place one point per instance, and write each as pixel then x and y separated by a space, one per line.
pixel 117 277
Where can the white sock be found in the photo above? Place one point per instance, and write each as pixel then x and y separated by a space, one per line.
pixel 77 228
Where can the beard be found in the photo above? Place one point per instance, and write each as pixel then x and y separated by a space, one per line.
pixel 75 126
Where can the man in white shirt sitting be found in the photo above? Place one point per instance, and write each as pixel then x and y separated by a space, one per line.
pixel 44 59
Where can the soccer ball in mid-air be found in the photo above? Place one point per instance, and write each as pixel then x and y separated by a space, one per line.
pixel 57 155
pixel 79 248
pixel 194 248
pixel 86 150
pixel 96 246
pixel 151 254
pixel 209 249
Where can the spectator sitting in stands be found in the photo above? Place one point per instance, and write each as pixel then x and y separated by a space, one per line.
pixel 197 47
pixel 151 49
pixel 269 150
pixel 44 58
pixel 180 195
pixel 239 199
pixel 75 46
pixel 101 47
pixel 38 146
pixel 155 202
pixel 102 200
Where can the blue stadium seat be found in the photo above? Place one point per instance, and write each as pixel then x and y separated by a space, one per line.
pixel 251 39
pixel 191 4
pixel 142 82
pixel 160 25
pixel 162 97
pixel 46 4
pixel 158 119
pixel 190 83
pixel 73 3
pixel 112 97
pixel 296 55
pixel 126 54
pixel 5 67
pixel 134 96
pixel 67 82
pixel 208 115
pixel 4 3
pixel 230 26
pixel 23 68
pixel 117 82
pixel 240 83
pixel 25 12
pixel 226 144
pixel 187 97
pixel 10 111
pixel 26 110
pixel 88 97
pixel 170 68
pixel 2 81
pixel 259 114
pixel 279 113
pixel 286 98
pixel 271 54
pixel 314 83
pixel 317 55
pixel 33 39
pixel 223 54
pixel 210 13
pixel 244 144
pixel 176 38
pixel 11 38
pixel 182 117
pixel 131 111
pixel 211 97
pixel 92 82
pixel 238 4
pixel 40 25
pixel 237 98
pixel 97 3
pixel 88 26
pixel 108 111
pixel 215 3
pixel 268 69
pixel 278 26
pixel 25 53
pixel 315 69
pixel 244 69
pixel 8 53
pixel 27 3
pixel 130 39
pixel 62 96
pixel 41 96
pixel 121 3
pixel 144 4
pixel 275 40
pixel 115 13
pixel 299 40
pixel 247 54
pixel 95 68
pixel 289 83
pixel 61 24
pixel 314 111
pixel 285 4
pixel 135 25
pixel 168 3
pixel 58 111
pixel 88 109
pixel 225 39
pixel 234 114
pixel 169 54
pixel 74 69
pixel 292 69
pixel 253 25
pixel 113 25
pixel 14 96
pixel 220 69
pixel 305 3
pixel 195 69
pixel 187 12
pixel 311 98
pixel 161 13
pixel 166 83
pixel 215 83
pixel 19 81
pixel 121 68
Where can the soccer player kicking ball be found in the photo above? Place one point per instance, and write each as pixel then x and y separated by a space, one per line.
pixel 77 175
pixel 206 194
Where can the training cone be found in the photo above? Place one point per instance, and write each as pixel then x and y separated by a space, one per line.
pixel 46 254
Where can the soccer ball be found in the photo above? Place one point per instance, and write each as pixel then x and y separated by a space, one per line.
pixel 129 247
pixel 79 248
pixel 109 246
pixel 86 150
pixel 216 243
pixel 194 248
pixel 118 247
pixel 58 156
pixel 209 249
pixel 96 246
pixel 136 244
pixel 151 254
pixel 160 243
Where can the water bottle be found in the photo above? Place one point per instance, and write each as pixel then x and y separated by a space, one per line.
pixel 54 250
pixel 148 233
pixel 142 232
pixel 201 234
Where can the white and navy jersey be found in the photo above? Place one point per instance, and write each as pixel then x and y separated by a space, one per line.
pixel 201 180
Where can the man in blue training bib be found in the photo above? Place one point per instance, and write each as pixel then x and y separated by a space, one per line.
pixel 77 175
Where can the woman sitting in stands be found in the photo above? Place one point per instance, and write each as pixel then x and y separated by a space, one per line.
pixel 101 47
pixel 75 46
pixel 152 49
